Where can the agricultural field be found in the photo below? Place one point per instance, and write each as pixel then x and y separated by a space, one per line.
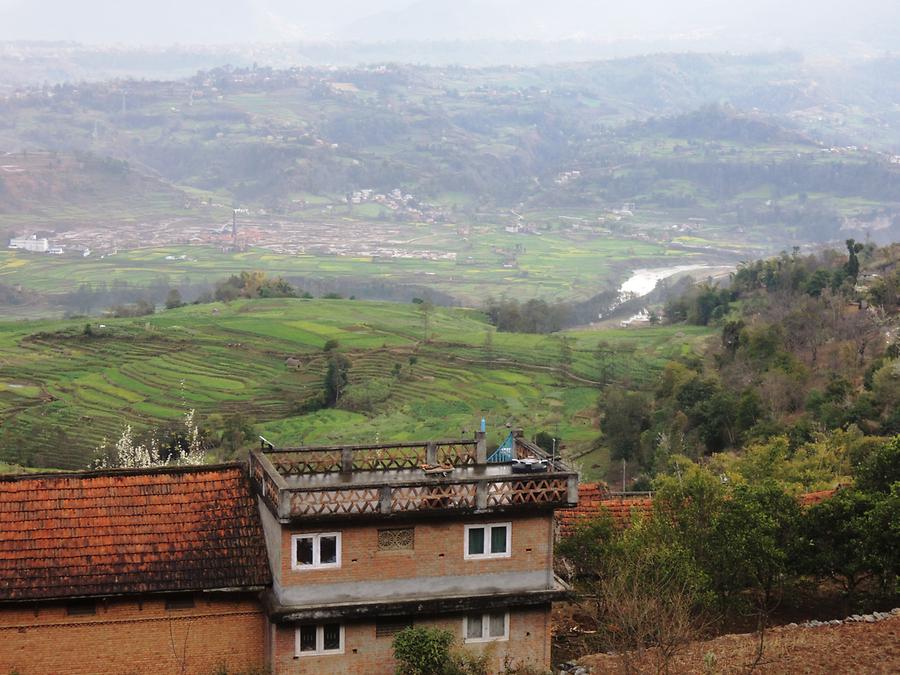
pixel 64 389
pixel 552 267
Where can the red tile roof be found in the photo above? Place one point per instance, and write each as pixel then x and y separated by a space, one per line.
pixel 129 531
pixel 813 498
pixel 594 498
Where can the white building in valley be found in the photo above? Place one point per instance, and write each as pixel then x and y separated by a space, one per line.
pixel 31 243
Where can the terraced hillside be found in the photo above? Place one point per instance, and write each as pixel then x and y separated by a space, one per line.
pixel 64 389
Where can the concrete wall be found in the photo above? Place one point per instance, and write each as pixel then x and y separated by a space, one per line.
pixel 134 636
pixel 366 654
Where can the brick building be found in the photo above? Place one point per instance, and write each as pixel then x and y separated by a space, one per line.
pixel 310 562
pixel 363 542
pixel 131 572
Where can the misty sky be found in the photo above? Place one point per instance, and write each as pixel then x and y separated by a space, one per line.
pixel 760 24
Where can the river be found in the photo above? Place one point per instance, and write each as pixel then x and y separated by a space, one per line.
pixel 643 281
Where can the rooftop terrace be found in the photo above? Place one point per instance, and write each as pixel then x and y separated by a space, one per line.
pixel 407 479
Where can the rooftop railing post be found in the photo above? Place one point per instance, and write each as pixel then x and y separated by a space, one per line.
pixel 480 447
pixel 431 453
pixel 346 460
pixel 572 489
pixel 481 495
pixel 384 504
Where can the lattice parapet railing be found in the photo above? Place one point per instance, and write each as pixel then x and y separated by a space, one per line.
pixel 385 459
pixel 531 491
pixel 263 478
pixel 337 502
pixel 457 454
pixel 303 461
pixel 408 498
pixel 426 497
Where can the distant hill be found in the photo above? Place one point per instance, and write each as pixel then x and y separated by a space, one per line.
pixel 77 188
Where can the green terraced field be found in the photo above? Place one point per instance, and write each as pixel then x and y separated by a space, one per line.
pixel 62 393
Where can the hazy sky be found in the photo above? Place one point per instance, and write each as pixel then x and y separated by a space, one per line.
pixel 761 23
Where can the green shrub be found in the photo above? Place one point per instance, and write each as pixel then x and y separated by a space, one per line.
pixel 422 651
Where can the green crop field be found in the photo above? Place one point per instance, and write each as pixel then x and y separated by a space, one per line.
pixel 63 392
pixel 557 267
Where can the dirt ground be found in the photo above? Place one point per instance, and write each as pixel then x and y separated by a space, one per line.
pixel 857 648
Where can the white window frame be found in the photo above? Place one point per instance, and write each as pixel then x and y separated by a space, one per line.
pixel 320 642
pixel 486 628
pixel 317 551
pixel 487 541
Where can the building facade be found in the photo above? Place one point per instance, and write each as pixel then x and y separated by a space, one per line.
pixel 151 571
pixel 305 560
pixel 32 244
pixel 364 541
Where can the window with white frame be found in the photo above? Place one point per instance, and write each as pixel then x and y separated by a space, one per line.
pixel 319 639
pixel 321 550
pixel 486 627
pixel 488 541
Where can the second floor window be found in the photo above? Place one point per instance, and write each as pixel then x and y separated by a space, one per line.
pixel 488 541
pixel 316 551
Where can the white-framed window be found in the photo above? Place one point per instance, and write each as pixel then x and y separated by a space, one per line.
pixel 486 627
pixel 321 550
pixel 319 639
pixel 493 540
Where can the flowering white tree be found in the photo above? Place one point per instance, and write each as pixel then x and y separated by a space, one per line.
pixel 194 452
pixel 126 454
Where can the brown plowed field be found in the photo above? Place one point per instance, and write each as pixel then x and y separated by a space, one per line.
pixel 856 648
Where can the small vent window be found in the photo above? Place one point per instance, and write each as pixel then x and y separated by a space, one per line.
pixel 396 539
pixel 180 602
pixel 390 627
pixel 81 608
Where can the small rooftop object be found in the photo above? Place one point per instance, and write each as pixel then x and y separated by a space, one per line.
pixel 529 465
pixel 408 480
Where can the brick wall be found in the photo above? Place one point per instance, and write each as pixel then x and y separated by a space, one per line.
pixel 366 654
pixel 439 550
pixel 134 636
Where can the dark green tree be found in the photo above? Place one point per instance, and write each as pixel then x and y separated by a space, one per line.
pixel 336 378
pixel 236 432
pixel 173 299
pixel 880 471
pixel 852 265
pixel 837 540
pixel 625 415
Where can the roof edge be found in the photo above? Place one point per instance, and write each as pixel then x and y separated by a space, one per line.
pixel 254 589
pixel 100 473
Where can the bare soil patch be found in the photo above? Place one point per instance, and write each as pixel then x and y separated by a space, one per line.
pixel 858 648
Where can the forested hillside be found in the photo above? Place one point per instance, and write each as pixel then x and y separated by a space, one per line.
pixel 804 373
pixel 774 461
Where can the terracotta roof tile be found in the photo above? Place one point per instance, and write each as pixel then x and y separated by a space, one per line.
pixel 594 498
pixel 113 532
pixel 813 498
